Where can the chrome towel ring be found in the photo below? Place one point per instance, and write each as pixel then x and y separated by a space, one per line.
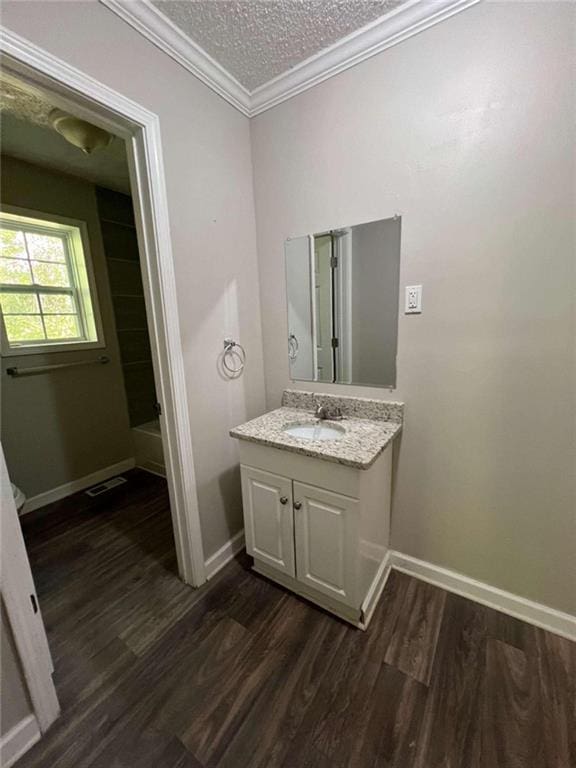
pixel 233 351
pixel 293 346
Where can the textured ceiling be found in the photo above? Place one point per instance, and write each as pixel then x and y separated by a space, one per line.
pixel 24 105
pixel 26 133
pixel 256 40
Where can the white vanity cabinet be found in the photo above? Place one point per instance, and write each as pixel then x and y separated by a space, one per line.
pixel 318 527
pixel 302 531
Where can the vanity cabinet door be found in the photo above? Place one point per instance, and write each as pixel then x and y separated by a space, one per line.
pixel 326 536
pixel 269 518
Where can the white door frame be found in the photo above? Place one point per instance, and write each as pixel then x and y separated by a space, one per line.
pixel 141 129
pixel 18 594
pixel 73 90
pixel 99 104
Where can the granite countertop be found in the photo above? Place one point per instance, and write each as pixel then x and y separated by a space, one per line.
pixel 360 446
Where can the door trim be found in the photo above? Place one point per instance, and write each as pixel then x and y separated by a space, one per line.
pixel 18 740
pixel 73 90
pixel 95 102
pixel 26 624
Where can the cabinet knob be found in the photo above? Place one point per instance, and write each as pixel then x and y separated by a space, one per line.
pixel 283 499
pixel 297 505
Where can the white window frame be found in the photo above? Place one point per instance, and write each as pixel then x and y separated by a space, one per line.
pixel 80 263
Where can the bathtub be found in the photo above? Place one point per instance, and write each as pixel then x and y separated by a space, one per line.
pixel 147 443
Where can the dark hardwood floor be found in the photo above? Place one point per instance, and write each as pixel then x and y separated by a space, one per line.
pixel 152 674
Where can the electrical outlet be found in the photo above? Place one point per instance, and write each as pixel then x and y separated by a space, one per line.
pixel 413 300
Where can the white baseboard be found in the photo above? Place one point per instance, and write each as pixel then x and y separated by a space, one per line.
pixel 61 491
pixel 554 621
pixel 376 589
pixel 18 740
pixel 218 560
pixel 153 467
pixel 539 615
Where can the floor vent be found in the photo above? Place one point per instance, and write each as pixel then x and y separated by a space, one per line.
pixel 96 490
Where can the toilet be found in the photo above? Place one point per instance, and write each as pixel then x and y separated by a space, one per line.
pixel 19 498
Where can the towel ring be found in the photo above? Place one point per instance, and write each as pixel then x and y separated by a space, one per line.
pixel 293 346
pixel 232 347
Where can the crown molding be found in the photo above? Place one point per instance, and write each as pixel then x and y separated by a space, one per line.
pixel 156 27
pixel 408 20
pixel 399 25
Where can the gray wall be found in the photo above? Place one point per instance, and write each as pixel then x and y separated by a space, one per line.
pixel 207 157
pixel 467 130
pixel 58 427
pixel 14 703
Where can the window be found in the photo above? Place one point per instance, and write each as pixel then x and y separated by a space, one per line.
pixel 46 287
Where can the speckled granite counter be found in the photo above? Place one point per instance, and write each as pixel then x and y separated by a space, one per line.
pixel 370 427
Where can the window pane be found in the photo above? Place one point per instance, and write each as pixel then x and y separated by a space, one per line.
pixel 19 303
pixel 12 244
pixel 62 326
pixel 15 272
pixel 50 274
pixel 45 296
pixel 45 247
pixel 57 303
pixel 24 328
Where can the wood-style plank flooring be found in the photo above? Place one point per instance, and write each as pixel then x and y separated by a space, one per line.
pixel 238 674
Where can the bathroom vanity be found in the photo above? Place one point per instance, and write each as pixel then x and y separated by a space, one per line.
pixel 316 496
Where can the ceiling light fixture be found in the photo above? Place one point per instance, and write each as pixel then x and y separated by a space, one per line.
pixel 87 137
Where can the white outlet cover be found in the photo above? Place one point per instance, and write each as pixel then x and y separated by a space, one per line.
pixel 413 304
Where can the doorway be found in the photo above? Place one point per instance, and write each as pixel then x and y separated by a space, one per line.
pixel 74 93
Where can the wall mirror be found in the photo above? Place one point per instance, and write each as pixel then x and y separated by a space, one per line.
pixel 342 295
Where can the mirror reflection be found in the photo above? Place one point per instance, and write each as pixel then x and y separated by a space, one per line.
pixel 342 295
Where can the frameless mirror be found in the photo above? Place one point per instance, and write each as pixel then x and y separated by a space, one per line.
pixel 342 295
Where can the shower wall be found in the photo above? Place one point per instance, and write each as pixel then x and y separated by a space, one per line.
pixel 122 257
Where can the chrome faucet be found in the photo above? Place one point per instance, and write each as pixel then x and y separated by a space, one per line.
pixel 323 413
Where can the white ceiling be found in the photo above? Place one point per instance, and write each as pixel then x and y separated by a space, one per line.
pixel 257 40
pixel 26 133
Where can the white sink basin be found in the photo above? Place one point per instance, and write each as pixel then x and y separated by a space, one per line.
pixel 316 431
